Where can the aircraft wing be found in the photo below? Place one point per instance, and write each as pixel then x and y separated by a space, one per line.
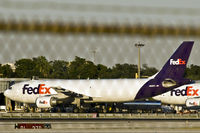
pixel 74 94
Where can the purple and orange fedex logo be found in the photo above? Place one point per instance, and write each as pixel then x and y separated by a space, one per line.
pixel 41 89
pixel 177 62
pixel 43 102
pixel 188 91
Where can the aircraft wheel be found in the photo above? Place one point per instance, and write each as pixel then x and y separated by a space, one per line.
pixel 104 110
pixel 76 110
pixel 26 109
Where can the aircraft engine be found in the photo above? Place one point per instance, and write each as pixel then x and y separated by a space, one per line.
pixel 46 102
pixel 191 102
pixel 168 83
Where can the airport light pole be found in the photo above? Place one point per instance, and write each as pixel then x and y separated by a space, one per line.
pixel 94 54
pixel 139 45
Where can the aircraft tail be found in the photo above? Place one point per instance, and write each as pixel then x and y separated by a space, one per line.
pixel 171 75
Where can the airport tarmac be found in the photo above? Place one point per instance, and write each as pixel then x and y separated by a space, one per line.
pixel 116 126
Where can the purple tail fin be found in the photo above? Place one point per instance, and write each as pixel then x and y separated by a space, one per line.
pixel 171 75
pixel 175 66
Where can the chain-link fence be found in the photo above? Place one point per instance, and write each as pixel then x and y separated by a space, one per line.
pixel 104 33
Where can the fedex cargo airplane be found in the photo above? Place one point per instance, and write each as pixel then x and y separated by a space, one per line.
pixel 47 93
pixel 187 95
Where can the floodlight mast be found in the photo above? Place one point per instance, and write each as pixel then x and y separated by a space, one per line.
pixel 139 45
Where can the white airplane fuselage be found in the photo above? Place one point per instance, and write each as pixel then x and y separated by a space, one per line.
pixel 112 90
pixel 179 96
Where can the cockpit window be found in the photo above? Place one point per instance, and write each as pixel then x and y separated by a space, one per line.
pixel 10 84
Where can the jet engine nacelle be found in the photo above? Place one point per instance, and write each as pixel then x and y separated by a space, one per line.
pixel 192 102
pixel 46 102
pixel 167 83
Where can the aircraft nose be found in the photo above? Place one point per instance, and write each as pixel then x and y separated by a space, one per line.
pixel 6 93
